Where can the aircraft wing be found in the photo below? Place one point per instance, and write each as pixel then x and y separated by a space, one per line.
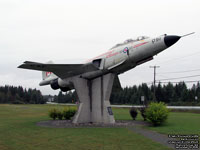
pixel 61 70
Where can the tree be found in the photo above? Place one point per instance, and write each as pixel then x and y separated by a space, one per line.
pixel 17 95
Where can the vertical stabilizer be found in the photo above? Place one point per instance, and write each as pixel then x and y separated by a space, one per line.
pixel 45 74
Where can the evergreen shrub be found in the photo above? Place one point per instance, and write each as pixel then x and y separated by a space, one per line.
pixel 143 114
pixel 68 113
pixel 133 113
pixel 60 115
pixel 53 113
pixel 157 113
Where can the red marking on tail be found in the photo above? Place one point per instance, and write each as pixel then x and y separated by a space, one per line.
pixel 48 74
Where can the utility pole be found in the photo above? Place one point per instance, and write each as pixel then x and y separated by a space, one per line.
pixel 154 81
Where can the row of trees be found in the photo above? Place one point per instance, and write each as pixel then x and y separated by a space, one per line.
pixel 19 95
pixel 172 94
pixel 68 97
pixel 177 94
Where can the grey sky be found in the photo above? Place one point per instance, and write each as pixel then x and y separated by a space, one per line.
pixel 71 31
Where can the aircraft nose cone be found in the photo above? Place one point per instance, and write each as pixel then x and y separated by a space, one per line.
pixel 171 39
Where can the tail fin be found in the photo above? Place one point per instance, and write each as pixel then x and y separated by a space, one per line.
pixel 47 74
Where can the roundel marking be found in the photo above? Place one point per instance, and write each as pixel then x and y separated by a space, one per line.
pixel 125 49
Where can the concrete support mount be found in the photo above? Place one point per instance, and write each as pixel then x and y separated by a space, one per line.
pixel 94 106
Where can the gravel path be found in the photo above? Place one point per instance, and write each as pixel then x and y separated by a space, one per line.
pixel 69 124
pixel 158 137
pixel 155 136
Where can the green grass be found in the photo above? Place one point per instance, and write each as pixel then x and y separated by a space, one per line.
pixel 177 122
pixel 180 123
pixel 18 131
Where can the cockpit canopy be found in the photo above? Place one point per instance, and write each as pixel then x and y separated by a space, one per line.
pixel 131 40
pixel 142 38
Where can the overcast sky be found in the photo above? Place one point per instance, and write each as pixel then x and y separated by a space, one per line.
pixel 72 31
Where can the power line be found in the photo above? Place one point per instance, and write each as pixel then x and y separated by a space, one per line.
pixel 180 57
pixel 160 75
pixel 180 82
pixel 179 71
pixel 179 77
pixel 148 83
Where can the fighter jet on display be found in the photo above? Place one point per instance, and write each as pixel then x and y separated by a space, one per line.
pixel 119 59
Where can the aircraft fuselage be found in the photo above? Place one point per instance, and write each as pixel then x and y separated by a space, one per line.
pixel 125 56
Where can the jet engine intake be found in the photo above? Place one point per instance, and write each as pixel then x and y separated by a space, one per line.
pixel 98 63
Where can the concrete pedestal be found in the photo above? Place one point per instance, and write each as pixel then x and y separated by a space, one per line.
pixel 94 97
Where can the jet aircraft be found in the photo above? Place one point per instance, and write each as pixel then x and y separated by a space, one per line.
pixel 119 59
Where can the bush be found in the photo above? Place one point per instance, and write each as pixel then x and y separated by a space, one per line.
pixel 143 114
pixel 133 113
pixel 60 115
pixel 157 113
pixel 68 113
pixel 53 113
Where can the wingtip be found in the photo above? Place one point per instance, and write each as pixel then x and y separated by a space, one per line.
pixel 20 66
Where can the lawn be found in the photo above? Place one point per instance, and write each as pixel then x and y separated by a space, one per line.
pixel 18 131
pixel 180 123
pixel 177 123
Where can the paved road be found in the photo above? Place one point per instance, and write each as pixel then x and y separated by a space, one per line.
pixel 136 106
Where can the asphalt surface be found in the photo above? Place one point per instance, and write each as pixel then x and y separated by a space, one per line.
pixel 136 106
